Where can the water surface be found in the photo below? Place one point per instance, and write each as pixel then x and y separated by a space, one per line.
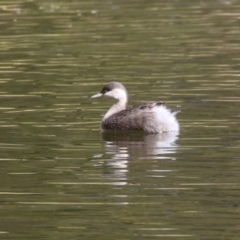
pixel 61 178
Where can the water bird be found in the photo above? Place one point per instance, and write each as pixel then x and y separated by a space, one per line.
pixel 152 117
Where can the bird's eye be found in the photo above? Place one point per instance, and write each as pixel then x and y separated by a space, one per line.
pixel 104 90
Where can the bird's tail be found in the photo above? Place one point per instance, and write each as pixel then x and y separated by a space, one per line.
pixel 175 112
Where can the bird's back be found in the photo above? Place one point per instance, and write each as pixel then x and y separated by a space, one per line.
pixel 142 116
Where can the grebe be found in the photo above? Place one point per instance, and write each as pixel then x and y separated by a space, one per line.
pixel 152 117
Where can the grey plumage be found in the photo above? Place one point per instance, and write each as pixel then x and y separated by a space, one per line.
pixel 134 118
pixel 152 117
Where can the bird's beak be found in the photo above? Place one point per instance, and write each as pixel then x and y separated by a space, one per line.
pixel 97 95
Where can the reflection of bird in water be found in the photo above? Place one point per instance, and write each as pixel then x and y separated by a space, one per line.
pixel 122 147
pixel 152 117
pixel 136 145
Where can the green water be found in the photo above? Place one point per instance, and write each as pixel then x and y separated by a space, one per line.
pixel 61 178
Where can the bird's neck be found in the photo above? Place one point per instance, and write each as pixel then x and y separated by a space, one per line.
pixel 115 108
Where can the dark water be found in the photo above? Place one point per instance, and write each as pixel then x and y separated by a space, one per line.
pixel 61 178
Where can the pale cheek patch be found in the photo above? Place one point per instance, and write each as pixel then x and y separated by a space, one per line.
pixel 117 94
